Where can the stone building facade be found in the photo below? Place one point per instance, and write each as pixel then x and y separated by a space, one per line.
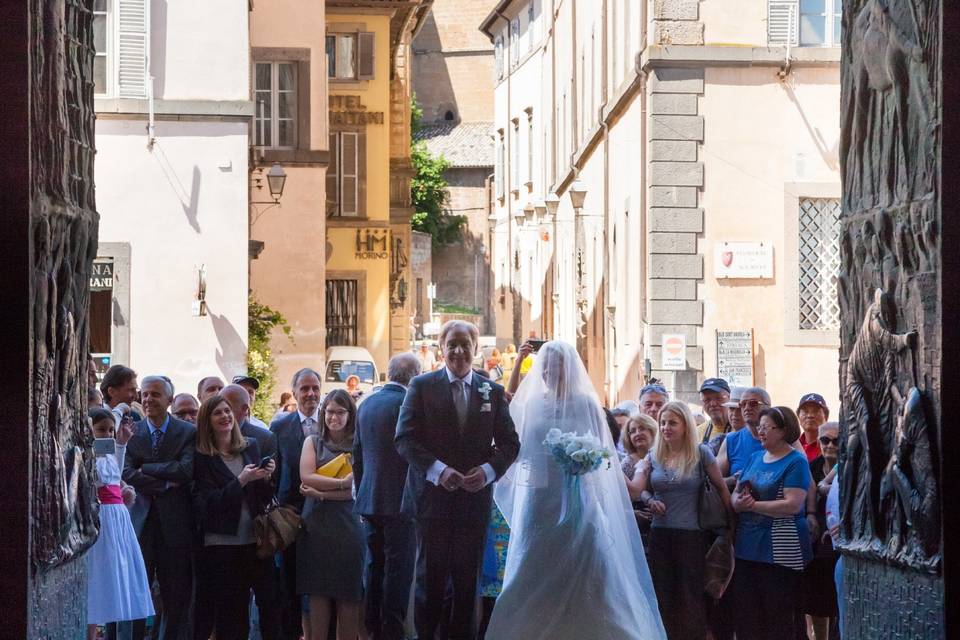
pixel 667 180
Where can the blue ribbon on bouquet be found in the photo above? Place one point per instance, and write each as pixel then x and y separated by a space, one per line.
pixel 571 505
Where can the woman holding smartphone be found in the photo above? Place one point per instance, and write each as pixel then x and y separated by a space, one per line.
pixel 772 541
pixel 231 487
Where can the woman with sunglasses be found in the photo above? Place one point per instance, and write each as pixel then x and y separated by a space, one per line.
pixel 819 600
pixel 773 541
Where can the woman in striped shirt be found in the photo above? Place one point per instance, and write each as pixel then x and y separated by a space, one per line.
pixel 772 542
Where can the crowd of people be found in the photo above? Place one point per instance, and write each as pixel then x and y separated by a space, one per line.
pixel 189 481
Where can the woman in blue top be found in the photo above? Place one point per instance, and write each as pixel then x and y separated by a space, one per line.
pixel 772 542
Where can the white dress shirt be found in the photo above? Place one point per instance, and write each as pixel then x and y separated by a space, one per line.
pixel 438 466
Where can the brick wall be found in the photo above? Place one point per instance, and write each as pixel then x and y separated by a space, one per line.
pixel 462 270
pixel 453 63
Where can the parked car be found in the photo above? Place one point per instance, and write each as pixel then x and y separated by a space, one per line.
pixel 343 362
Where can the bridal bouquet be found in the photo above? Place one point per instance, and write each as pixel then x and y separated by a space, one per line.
pixel 577 455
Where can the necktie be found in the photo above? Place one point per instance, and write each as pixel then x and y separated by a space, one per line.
pixel 157 440
pixel 460 402
pixel 309 427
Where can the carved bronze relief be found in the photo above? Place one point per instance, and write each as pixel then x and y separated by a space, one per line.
pixel 890 282
pixel 64 230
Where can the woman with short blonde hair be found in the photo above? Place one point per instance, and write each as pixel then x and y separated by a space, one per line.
pixel 668 481
pixel 637 440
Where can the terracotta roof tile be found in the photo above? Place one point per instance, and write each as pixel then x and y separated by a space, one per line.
pixel 464 145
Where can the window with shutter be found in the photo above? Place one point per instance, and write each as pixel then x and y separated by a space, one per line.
pixel 333 177
pixel 275 105
pixel 345 175
pixel 132 43
pixel 349 174
pixel 498 58
pixel 515 158
pixel 500 162
pixel 366 56
pixel 102 42
pixel 514 42
pixel 782 22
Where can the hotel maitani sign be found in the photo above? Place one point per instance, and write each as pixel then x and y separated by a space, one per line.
pixel 349 110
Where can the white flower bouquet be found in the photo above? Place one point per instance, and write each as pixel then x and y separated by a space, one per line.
pixel 577 455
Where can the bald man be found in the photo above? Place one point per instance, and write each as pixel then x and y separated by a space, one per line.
pixel 239 401
pixel 209 386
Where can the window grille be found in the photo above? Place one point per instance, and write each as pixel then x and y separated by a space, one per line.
pixel 819 249
pixel 341 313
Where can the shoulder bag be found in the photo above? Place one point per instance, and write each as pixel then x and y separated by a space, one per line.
pixel 711 514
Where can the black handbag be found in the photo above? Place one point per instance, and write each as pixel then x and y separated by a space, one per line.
pixel 711 513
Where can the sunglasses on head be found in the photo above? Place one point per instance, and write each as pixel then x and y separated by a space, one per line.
pixel 824 440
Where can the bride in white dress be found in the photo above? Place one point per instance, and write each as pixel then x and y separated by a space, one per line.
pixel 586 578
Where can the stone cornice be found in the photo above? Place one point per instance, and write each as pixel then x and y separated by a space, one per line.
pixel 736 56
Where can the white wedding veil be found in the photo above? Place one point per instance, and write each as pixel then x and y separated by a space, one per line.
pixel 595 565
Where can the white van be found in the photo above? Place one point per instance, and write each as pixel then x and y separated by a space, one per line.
pixel 343 362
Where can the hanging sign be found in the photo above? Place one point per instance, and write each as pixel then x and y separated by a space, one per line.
pixel 101 276
pixel 735 357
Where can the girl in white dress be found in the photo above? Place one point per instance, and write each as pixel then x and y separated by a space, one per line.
pixel 117 587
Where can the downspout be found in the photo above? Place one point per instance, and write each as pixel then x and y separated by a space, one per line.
pixel 610 355
pixel 508 72
pixel 491 294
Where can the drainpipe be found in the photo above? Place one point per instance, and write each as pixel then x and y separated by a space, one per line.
pixel 491 294
pixel 507 186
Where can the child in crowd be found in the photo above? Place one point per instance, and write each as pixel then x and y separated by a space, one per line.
pixel 117 586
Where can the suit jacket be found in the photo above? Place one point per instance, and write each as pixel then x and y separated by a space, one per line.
pixel 171 507
pixel 290 439
pixel 379 472
pixel 266 440
pixel 218 496
pixel 427 431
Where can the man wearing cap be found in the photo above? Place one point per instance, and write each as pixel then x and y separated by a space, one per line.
pixel 714 392
pixel 250 385
pixel 734 415
pixel 812 412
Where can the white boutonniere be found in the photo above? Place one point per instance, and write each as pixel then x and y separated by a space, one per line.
pixel 485 390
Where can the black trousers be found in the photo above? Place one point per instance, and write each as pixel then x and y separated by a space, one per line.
pixel 173 569
pixel 290 620
pixel 677 560
pixel 765 599
pixel 387 576
pixel 225 576
pixel 448 552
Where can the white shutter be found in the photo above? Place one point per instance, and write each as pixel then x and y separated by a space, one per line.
pixel 782 17
pixel 132 43
pixel 349 173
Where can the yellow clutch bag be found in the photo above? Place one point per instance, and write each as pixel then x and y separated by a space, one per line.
pixel 339 467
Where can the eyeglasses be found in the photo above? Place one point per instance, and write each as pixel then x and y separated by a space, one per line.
pixel 824 440
pixel 767 428
pixel 752 404
pixel 336 413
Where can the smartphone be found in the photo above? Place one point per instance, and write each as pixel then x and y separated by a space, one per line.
pixel 536 344
pixel 104 446
pixel 746 487
pixel 265 461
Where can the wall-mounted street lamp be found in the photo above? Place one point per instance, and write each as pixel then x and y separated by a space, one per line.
pixel 276 179
pixel 578 194
pixel 552 203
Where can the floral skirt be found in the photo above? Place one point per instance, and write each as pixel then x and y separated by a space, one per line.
pixel 494 555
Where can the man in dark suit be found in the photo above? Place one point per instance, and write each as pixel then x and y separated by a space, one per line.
pixel 379 473
pixel 291 430
pixel 456 432
pixel 159 465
